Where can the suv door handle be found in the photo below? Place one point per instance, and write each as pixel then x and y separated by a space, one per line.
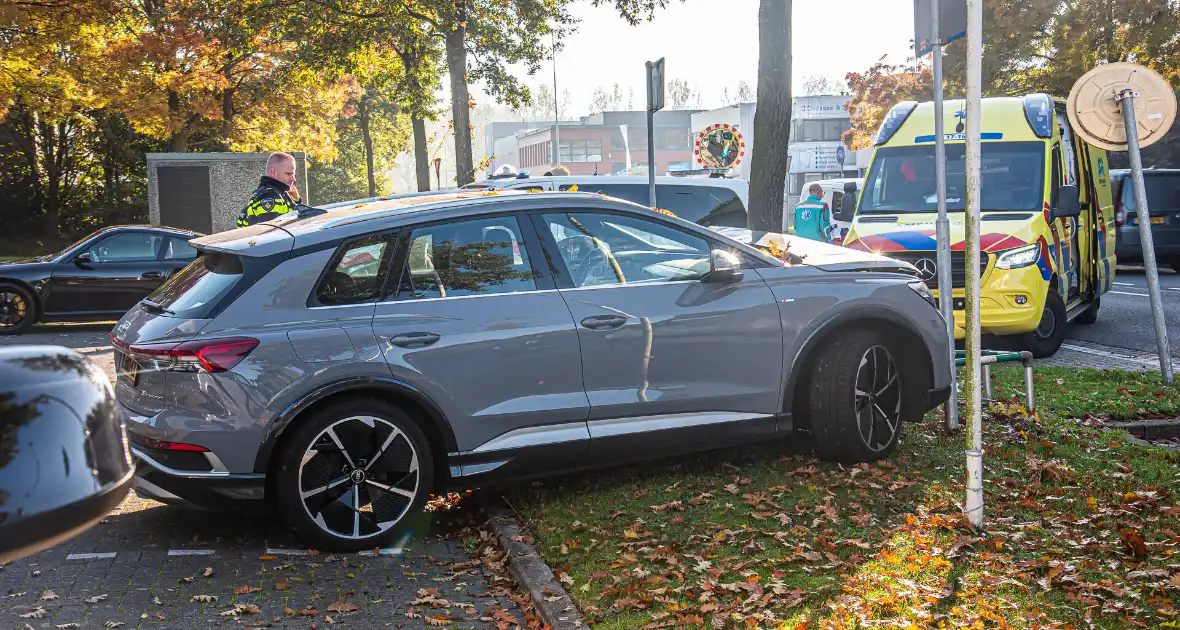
pixel 604 322
pixel 414 339
pixel 152 275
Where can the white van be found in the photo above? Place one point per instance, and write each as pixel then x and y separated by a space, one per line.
pixel 833 196
pixel 708 201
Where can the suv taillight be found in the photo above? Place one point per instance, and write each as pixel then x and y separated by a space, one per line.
pixel 212 355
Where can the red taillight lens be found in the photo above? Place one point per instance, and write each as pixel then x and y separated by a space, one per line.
pixel 214 355
pixel 173 446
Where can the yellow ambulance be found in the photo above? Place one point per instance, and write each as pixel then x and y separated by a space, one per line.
pixel 1047 223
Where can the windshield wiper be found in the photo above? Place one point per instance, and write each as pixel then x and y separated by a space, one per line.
pixel 155 307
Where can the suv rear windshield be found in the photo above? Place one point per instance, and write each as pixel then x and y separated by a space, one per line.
pixel 196 291
pixel 1163 193
pixel 705 205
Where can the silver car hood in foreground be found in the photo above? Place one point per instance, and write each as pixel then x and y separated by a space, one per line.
pixel 816 254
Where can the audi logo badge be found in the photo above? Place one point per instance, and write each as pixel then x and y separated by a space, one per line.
pixel 927 268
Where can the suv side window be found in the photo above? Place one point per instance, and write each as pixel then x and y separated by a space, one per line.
pixel 358 272
pixel 476 257
pixel 703 205
pixel 614 249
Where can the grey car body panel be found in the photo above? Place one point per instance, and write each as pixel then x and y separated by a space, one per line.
pixel 502 384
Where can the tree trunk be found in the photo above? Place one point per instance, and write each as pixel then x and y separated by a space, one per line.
pixel 421 155
pixel 460 97
pixel 772 118
pixel 367 138
pixel 47 133
pixel 176 121
pixel 227 103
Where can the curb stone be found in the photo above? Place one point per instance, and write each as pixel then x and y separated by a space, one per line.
pixel 531 572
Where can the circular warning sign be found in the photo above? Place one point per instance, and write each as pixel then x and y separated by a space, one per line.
pixel 719 146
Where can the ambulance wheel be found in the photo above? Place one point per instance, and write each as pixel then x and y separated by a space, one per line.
pixel 1090 315
pixel 1050 332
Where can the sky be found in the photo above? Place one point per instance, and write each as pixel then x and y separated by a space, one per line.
pixel 713 44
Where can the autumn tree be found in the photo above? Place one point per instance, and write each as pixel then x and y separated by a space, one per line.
pixel 821 84
pixel 877 90
pixel 772 118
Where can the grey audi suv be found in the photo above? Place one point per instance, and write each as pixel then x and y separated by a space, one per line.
pixel 339 366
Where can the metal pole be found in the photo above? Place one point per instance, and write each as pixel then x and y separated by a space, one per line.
pixel 987 382
pixel 651 138
pixel 556 114
pixel 1126 100
pixel 942 226
pixel 974 503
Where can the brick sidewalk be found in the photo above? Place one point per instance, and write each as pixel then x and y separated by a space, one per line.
pixel 1083 354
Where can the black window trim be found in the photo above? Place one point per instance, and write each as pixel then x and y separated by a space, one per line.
pixel 338 254
pixel 543 279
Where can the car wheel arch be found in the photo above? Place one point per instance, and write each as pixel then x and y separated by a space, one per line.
pixel 409 398
pixel 794 390
pixel 26 287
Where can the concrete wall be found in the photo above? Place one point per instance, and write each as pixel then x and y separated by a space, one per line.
pixel 232 179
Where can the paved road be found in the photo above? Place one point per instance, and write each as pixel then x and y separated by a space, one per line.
pixel 133 567
pixel 1124 321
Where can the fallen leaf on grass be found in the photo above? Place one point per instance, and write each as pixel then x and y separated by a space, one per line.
pixel 282 585
pixel 185 580
pixel 565 578
pixel 48 596
pixel 267 557
pixel 203 598
pixel 246 590
pixel 67 626
pixel 112 624
pixel 1133 543
pixel 208 572
pixel 343 607
pixel 303 612
pixel 1148 573
pixel 95 599
pixel 156 601
pixel 437 620
pixel 35 613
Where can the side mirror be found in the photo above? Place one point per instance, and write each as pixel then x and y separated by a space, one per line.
pixel 724 266
pixel 83 259
pixel 1068 202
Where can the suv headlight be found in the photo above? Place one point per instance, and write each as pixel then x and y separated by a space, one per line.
pixel 924 291
pixel 1019 257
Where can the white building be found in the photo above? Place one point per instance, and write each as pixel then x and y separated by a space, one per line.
pixel 815 149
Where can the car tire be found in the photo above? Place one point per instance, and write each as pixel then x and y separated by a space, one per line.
pixel 1050 333
pixel 339 489
pixel 858 398
pixel 12 298
pixel 1090 315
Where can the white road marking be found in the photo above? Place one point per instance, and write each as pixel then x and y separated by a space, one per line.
pixel 190 552
pixel 92 556
pixel 390 551
pixel 1126 293
pixel 1124 284
pixel 288 552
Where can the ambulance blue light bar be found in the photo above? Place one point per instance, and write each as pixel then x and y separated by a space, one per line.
pixel 894 119
pixel 1038 109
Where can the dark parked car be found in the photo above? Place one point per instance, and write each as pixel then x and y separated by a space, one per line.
pixel 64 462
pixel 344 366
pixel 1163 202
pixel 97 278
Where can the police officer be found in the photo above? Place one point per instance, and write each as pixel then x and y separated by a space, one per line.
pixel 272 198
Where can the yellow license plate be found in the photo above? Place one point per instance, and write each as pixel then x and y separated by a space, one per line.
pixel 130 370
pixel 1157 220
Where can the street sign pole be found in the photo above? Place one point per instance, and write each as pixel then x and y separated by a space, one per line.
pixel 974 504
pixel 942 225
pixel 655 102
pixel 1126 99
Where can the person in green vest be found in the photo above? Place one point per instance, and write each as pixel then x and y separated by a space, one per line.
pixel 276 194
pixel 813 218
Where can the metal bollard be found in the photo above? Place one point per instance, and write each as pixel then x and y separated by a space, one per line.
pixel 1026 358
pixel 987 381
